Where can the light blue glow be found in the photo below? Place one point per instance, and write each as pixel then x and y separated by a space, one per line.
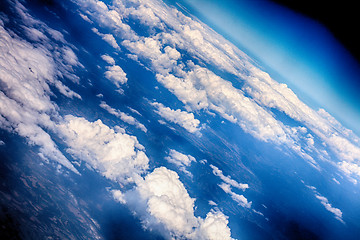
pixel 299 51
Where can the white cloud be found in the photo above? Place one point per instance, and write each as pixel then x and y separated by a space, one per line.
pixel 115 154
pixel 109 38
pixel 214 227
pixel 169 203
pixel 182 118
pixel 116 75
pixel 123 116
pixel 325 202
pixel 240 199
pixel 228 183
pixel 27 73
pixel 217 172
pixel 189 35
pixel 108 59
pixel 118 196
pixel 35 35
pixel 180 160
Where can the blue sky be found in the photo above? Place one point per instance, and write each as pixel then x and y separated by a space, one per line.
pixel 293 49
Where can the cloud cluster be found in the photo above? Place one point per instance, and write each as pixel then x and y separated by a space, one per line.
pixel 120 157
pixel 170 204
pixel 114 72
pixel 115 154
pixel 182 118
pixel 27 74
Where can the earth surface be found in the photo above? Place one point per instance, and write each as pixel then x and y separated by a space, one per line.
pixel 134 120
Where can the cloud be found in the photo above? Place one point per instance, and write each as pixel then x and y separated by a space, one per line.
pixel 325 202
pixel 123 116
pixel 182 118
pixel 27 74
pixel 180 160
pixel 109 38
pixel 118 196
pixel 228 183
pixel 197 88
pixel 217 172
pixel 215 227
pixel 116 75
pixel 108 59
pixel 115 154
pixel 169 203
pixel 240 199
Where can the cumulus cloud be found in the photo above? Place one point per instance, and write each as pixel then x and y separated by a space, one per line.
pixel 123 116
pixel 170 204
pixel 116 75
pixel 180 160
pixel 115 154
pixel 168 201
pixel 108 59
pixel 215 227
pixel 182 118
